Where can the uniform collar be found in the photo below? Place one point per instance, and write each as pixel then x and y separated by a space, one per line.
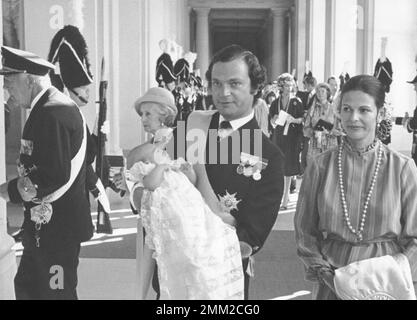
pixel 38 96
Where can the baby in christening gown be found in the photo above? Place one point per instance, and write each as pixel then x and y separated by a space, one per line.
pixel 198 255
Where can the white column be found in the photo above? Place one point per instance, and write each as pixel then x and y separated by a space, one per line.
pixel 279 44
pixel 301 13
pixel 187 26
pixel 365 36
pixel 108 47
pixel 330 39
pixel 7 256
pixel 293 27
pixel 114 102
pixel 202 40
pixel 309 30
pixel 368 33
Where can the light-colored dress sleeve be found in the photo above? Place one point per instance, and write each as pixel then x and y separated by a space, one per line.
pixel 408 238
pixel 306 221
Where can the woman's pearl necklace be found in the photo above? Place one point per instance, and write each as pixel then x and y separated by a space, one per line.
pixel 359 232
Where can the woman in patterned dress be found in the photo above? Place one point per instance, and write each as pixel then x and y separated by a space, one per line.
pixel 321 139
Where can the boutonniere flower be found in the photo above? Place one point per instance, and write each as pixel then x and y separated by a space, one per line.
pixel 251 166
pixel 229 202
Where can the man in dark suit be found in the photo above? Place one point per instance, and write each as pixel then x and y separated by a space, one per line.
pixel 234 77
pixel 69 51
pixel 51 182
pixel 244 168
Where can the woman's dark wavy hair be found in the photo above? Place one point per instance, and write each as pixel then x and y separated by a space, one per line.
pixel 367 84
pixel 257 73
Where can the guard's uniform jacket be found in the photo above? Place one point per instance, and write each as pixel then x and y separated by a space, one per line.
pixel 52 136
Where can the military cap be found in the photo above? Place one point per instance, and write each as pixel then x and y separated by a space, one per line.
pixel 19 61
pixel 196 80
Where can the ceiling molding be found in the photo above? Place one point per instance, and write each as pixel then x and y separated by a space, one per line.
pixel 251 14
pixel 241 4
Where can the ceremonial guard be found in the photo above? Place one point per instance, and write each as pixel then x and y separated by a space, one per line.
pixel 164 74
pixel 69 53
pixel 184 95
pixel 51 182
pixel 383 72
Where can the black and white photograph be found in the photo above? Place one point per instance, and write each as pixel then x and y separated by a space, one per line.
pixel 209 150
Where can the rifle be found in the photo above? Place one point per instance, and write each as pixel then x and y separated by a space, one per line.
pixel 103 219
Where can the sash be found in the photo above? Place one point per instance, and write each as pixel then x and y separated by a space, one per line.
pixel 198 124
pixel 76 165
pixel 42 213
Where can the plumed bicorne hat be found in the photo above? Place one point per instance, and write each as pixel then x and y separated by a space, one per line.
pixel 70 53
pixel 196 80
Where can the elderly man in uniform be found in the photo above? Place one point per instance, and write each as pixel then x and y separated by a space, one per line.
pixel 51 182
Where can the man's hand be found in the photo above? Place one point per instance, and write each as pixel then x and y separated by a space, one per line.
pixel 245 249
pixel 26 189
pixel 105 128
pixel 4 194
pixel 274 120
pixel 119 180
pixel 290 119
pixel 227 218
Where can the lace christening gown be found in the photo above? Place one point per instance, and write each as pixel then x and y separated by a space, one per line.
pixel 197 254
